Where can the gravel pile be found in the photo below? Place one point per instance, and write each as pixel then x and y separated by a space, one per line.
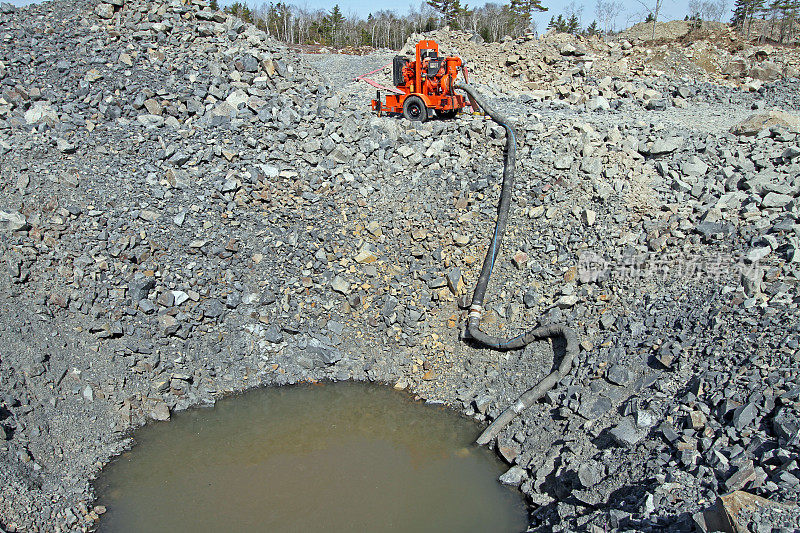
pixel 188 209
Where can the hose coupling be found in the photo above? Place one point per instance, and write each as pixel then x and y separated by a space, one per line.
pixel 475 311
pixel 519 406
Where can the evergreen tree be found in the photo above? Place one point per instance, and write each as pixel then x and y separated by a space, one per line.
pixel 332 25
pixel 744 11
pixel 573 24
pixel 559 25
pixel 650 18
pixel 592 29
pixel 739 12
pixel 522 10
pixel 214 5
pixel 445 7
pixel 454 12
pixel 787 12
pixel 457 12
pixel 240 10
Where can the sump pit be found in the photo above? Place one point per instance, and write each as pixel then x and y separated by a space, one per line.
pixel 332 456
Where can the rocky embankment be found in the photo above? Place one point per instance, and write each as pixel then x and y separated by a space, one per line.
pixel 576 68
pixel 189 209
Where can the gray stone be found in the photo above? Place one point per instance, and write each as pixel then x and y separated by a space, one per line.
pixel 619 375
pixel 590 473
pixel 327 354
pixel 598 103
pixel 179 297
pixel 168 325
pixel 773 199
pixel 744 415
pixel 694 166
pixel 212 308
pixel 765 71
pixel 150 121
pixel 166 299
pixel 230 185
pixel 751 279
pixel 596 409
pixel 567 301
pixel 588 217
pixel 592 165
pixel 625 433
pixel 65 147
pixel 666 146
pixel 514 476
pixel 563 162
pixel 786 425
pixel 607 320
pixel 454 281
pixel 340 285
pixel 138 289
pixel 743 475
pixel 233 300
pixel 530 298
pixel 13 221
pixel 41 112
pixel 160 411
pixel 758 253
pixel 657 104
pixel 273 334
pixel 791 152
pixel 104 11
pixel 147 307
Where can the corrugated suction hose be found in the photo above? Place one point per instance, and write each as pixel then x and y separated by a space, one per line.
pixel 532 395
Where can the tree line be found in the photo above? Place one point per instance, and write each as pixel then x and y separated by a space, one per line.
pixel 386 29
pixel 293 24
pixel 776 20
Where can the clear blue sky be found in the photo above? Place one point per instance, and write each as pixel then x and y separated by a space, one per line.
pixel 633 11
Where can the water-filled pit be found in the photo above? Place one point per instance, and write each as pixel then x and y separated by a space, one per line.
pixel 333 456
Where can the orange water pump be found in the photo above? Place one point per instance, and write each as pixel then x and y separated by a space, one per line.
pixel 423 85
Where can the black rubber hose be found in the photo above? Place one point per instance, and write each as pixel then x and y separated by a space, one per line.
pixel 476 309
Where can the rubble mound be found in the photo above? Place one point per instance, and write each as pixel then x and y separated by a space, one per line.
pixel 559 65
pixel 189 209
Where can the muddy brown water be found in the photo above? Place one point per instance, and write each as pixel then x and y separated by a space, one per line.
pixel 327 457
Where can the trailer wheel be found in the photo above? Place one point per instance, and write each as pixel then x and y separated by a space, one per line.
pixel 414 109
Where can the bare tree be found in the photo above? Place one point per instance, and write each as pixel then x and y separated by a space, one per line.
pixel 723 9
pixel 708 9
pixel 607 12
pixel 652 9
pixel 574 9
pixel 294 24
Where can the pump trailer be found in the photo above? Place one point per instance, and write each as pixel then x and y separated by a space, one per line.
pixel 424 85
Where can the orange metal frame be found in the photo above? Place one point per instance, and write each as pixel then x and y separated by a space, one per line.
pixel 438 96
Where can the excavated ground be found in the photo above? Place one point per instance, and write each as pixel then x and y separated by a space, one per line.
pixel 189 209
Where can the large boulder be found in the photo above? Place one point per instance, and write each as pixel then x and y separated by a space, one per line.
pixel 760 121
pixel 41 112
pixel 737 66
pixel 765 71
pixel 14 221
